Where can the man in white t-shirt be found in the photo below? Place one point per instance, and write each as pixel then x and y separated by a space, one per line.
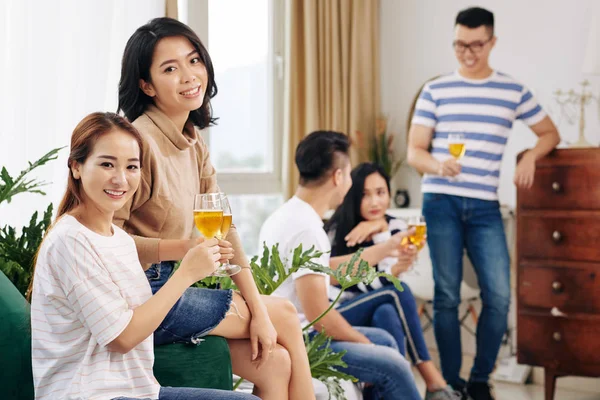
pixel 372 354
pixel 469 115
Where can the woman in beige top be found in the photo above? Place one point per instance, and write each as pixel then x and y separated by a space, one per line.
pixel 167 81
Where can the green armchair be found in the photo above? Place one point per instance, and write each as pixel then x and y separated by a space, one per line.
pixel 207 365
pixel 16 379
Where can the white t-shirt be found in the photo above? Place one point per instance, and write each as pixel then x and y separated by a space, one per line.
pixel 292 224
pixel 85 289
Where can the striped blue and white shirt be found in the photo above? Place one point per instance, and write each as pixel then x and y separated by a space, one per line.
pixel 484 111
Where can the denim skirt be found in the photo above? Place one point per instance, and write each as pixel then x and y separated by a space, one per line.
pixel 195 314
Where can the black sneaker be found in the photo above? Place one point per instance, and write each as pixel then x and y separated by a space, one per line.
pixel 480 391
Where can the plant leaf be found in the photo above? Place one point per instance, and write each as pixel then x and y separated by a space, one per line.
pixel 10 187
pixel 324 363
pixel 17 253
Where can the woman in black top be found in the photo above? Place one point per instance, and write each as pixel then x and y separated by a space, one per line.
pixel 361 222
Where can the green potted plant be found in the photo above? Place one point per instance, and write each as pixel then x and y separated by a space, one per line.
pixel 17 251
pixel 270 272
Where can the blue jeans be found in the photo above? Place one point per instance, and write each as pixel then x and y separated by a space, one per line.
pixel 185 393
pixel 194 315
pixel 453 224
pixel 379 363
pixel 393 311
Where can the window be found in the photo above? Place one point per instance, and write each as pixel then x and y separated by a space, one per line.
pixel 249 213
pixel 242 65
pixel 245 40
pixel 60 61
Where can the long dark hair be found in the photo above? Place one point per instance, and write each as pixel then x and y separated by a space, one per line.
pixel 84 137
pixel 137 59
pixel 347 215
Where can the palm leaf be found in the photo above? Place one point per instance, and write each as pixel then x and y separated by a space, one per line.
pixel 10 187
pixel 272 272
pixel 324 363
pixel 17 252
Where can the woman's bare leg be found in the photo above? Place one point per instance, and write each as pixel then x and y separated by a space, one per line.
pixel 285 320
pixel 432 376
pixel 272 380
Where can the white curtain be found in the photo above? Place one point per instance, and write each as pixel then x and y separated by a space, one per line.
pixel 60 60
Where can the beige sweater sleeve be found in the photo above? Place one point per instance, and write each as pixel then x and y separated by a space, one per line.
pixel 147 249
pixel 208 184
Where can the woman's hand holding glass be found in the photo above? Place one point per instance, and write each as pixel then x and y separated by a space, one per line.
pixel 397 242
pixel 227 252
pixel 418 237
pixel 407 256
pixel 201 261
pixel 209 210
pixel 226 269
pixel 402 251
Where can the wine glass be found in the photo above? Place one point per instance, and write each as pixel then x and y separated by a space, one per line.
pixel 208 217
pixel 419 237
pixel 226 268
pixel 456 147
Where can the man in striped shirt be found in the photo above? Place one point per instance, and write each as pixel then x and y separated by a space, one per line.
pixel 475 105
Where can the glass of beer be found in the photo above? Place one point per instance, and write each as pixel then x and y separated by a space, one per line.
pixel 208 218
pixel 456 146
pixel 226 268
pixel 419 237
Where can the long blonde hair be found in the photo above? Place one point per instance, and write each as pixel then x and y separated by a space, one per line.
pixel 84 137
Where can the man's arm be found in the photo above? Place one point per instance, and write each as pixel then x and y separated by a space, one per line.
pixel 312 293
pixel 548 139
pixel 419 140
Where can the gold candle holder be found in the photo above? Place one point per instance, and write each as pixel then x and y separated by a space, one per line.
pixel 579 100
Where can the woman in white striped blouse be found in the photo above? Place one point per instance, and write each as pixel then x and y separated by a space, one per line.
pixel 92 313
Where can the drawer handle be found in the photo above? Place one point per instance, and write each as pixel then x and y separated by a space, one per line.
pixel 557 287
pixel 556 236
pixel 555 312
pixel 556 336
pixel 556 187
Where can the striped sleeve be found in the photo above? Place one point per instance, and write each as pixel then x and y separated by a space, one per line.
pixel 93 294
pixel 529 110
pixel 425 109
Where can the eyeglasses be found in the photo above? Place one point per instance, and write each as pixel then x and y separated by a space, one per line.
pixel 475 47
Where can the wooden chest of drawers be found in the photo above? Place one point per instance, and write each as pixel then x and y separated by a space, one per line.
pixel 558 266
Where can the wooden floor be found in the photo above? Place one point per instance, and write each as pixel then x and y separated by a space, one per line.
pixel 502 390
pixel 509 391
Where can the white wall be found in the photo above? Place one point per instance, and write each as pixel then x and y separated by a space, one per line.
pixel 540 42
pixel 59 61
